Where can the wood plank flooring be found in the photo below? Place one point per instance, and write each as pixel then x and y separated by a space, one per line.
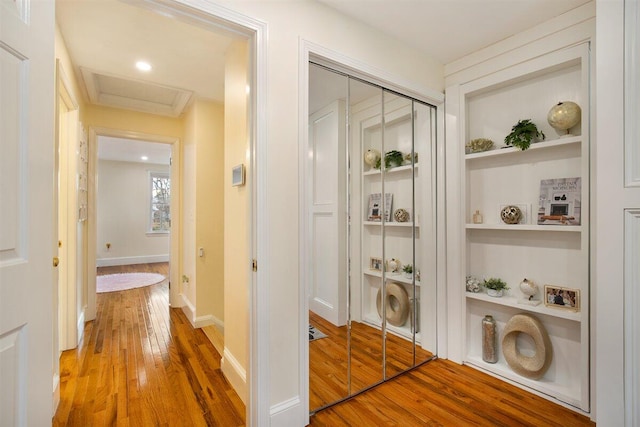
pixel 142 364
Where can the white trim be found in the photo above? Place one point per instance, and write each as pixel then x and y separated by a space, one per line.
pixel 631 317
pixel 631 94
pixel 174 250
pixel 235 374
pixel 287 413
pixel 130 260
pixel 207 320
pixel 188 309
pixel 214 16
pixel 80 325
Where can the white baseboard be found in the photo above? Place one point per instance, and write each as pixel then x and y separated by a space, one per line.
pixel 235 374
pixel 80 325
pixel 56 392
pixel 129 260
pixel 188 309
pixel 209 319
pixel 288 413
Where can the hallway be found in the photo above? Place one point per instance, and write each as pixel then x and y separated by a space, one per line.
pixel 141 363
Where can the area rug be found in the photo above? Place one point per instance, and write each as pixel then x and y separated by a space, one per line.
pixel 315 334
pixel 124 281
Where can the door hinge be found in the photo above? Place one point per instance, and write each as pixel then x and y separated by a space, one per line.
pixel 254 265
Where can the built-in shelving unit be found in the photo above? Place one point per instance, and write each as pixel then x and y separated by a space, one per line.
pixel 556 255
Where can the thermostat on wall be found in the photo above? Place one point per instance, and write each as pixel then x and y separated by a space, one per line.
pixel 237 175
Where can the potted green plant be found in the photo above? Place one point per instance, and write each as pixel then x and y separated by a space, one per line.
pixel 393 159
pixel 523 134
pixel 495 287
pixel 408 270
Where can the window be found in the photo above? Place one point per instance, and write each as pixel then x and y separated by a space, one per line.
pixel 160 218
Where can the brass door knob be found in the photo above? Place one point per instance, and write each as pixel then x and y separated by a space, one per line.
pixel 56 261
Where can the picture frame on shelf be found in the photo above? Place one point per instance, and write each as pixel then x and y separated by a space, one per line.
pixel 375 211
pixel 375 263
pixel 562 298
pixel 560 201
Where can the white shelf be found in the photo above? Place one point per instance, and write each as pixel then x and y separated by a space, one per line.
pixel 561 392
pixel 392 170
pixel 391 277
pixel 540 308
pixel 525 227
pixel 408 224
pixel 535 146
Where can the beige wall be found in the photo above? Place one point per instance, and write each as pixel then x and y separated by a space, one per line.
pixel 289 22
pixel 203 209
pixel 210 209
pixel 115 118
pixel 236 207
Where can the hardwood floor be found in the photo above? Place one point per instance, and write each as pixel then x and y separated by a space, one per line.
pixel 328 360
pixel 439 393
pixel 142 364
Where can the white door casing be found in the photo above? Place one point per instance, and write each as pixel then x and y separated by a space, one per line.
pixel 328 210
pixel 27 236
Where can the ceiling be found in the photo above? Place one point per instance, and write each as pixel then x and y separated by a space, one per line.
pixel 105 39
pixel 129 150
pixel 447 30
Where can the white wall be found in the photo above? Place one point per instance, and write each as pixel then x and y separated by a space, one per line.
pixel 123 199
pixel 289 22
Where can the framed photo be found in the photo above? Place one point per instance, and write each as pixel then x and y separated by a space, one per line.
pixel 376 209
pixel 375 263
pixel 237 175
pixel 564 298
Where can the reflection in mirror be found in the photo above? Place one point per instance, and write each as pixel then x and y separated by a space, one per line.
pixel 399 233
pixel 365 140
pixel 371 228
pixel 327 231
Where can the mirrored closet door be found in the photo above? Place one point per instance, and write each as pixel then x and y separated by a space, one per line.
pixel 371 230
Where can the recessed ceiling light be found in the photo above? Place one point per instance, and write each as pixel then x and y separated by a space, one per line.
pixel 144 158
pixel 143 66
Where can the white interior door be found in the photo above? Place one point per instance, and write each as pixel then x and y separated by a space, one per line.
pixel 26 212
pixel 328 222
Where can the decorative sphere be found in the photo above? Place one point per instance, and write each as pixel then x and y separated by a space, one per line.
pixel 394 265
pixel 564 115
pixel 528 288
pixel 401 215
pixel 371 157
pixel 511 214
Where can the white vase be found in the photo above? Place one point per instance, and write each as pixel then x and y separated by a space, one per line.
pixel 494 292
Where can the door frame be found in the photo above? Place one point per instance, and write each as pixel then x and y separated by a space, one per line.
pixel 174 251
pixel 205 13
pixel 340 62
pixel 70 323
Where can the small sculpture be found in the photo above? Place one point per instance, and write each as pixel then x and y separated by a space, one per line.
pixel 529 289
pixel 473 284
pixel 478 145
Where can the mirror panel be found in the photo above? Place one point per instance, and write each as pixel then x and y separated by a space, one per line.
pixel 365 123
pixel 425 303
pixel 369 218
pixel 327 230
pixel 399 233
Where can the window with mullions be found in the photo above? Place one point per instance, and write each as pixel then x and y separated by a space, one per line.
pixel 160 218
